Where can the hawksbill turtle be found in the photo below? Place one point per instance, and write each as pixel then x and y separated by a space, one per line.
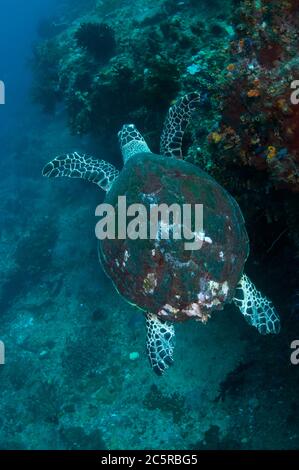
pixel 167 282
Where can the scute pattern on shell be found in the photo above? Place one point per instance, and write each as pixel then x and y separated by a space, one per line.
pixel 160 276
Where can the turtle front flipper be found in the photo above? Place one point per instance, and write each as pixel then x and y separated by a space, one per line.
pixel 257 309
pixel 177 120
pixel 86 167
pixel 160 343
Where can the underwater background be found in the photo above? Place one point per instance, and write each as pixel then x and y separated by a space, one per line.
pixel 76 375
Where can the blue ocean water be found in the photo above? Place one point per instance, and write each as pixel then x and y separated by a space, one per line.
pixel 19 21
pixel 76 372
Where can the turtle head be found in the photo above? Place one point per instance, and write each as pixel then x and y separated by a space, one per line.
pixel 131 142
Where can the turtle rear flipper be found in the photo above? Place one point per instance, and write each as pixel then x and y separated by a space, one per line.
pixel 86 167
pixel 160 343
pixel 257 309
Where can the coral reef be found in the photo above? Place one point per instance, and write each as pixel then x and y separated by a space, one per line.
pixel 147 70
pixel 259 124
pixel 96 38
pixel 251 146
pixel 244 75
